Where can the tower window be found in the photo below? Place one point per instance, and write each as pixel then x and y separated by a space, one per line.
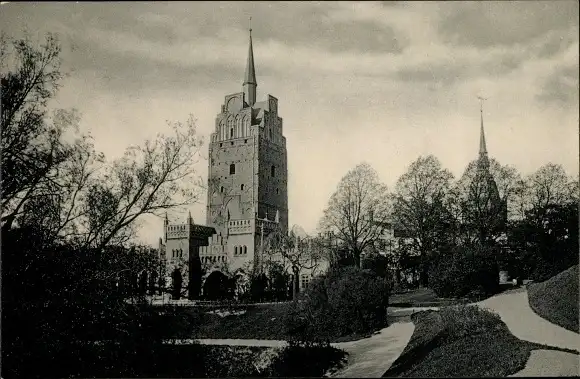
pixel 221 144
pixel 277 191
pixel 232 169
pixel 232 133
pixel 242 187
pixel 273 171
pixel 222 189
pixel 245 250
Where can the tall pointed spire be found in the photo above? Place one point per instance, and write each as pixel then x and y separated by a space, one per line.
pixel 250 82
pixel 483 161
pixel 482 145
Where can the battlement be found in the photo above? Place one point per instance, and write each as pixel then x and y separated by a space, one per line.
pixel 268 225
pixel 217 245
pixel 241 226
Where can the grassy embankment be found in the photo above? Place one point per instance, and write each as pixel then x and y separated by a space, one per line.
pixel 556 299
pixel 463 341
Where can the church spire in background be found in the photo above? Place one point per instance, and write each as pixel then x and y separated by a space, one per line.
pixel 482 145
pixel 483 159
pixel 250 82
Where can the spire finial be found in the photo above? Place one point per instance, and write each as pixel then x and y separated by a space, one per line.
pixel 481 100
pixel 250 26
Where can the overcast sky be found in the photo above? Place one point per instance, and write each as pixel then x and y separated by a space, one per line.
pixel 376 82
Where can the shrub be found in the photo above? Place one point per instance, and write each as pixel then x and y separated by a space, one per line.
pixel 358 299
pixel 310 319
pixel 464 320
pixel 346 301
pixel 296 360
pixel 470 271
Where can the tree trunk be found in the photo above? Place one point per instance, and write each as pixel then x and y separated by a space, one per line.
pixel 296 278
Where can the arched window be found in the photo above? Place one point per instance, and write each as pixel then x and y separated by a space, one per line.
pixel 236 250
pixel 232 169
pixel 242 187
pixel 277 191
pixel 273 171
pixel 231 132
pixel 245 250
pixel 222 189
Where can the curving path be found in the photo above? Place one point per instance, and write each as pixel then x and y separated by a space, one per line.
pixel 371 357
pixel 514 310
pixel 368 357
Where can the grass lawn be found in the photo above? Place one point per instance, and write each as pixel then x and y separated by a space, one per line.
pixel 426 297
pixel 556 299
pixel 265 322
pixel 462 342
pixel 421 297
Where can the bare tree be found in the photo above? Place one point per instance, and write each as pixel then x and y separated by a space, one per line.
pixel 358 211
pixel 32 145
pixel 293 253
pixel 482 196
pixel 147 180
pixel 419 208
pixel 549 185
pixel 506 179
pixel 68 188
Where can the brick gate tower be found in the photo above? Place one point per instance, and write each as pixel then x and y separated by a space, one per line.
pixel 247 174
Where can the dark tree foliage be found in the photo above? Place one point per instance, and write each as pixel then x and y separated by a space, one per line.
pixel 346 301
pixel 176 283
pixel 258 286
pixel 57 301
pixel 545 242
pixel 279 281
pixel 469 270
pixel 195 278
pixel 218 286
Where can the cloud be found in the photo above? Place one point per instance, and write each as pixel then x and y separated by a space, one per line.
pixel 493 23
pixel 561 87
pixel 381 82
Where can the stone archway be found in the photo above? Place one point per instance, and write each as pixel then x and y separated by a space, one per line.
pixel 218 286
